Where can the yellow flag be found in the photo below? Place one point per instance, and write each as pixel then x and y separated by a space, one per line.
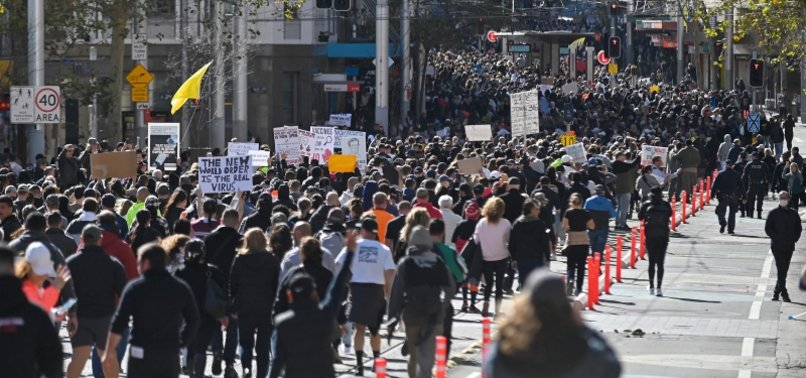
pixel 579 42
pixel 189 89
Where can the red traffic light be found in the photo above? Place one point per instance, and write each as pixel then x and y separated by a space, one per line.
pixel 614 47
pixel 614 7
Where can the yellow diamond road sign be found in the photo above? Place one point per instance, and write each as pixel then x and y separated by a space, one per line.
pixel 139 75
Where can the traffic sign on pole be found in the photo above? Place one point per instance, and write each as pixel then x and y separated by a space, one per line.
pixel 602 58
pixel 754 122
pixel 47 101
pixel 22 104
pixel 139 75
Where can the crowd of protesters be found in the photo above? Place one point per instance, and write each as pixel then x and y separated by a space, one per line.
pixel 306 266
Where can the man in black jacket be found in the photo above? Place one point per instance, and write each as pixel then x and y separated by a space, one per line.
pixel 68 167
pixel 159 306
pixel 260 218
pixel 727 188
pixel 99 280
pixel 513 200
pixel 656 213
pixel 784 228
pixel 8 220
pixel 30 345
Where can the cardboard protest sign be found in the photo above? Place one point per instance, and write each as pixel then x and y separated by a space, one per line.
pixel 345 120
pixel 260 158
pixel 286 141
pixel 241 149
pixel 225 174
pixel 350 142
pixel 342 163
pixel 576 152
pixel 650 152
pixel 324 142
pixel 479 133
pixel 114 164
pixel 469 166
pixel 163 145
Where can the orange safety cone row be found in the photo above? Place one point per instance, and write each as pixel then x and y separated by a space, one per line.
pixel 591 299
pixel 632 247
pixel 674 221
pixel 607 269
pixel 683 217
pixel 619 245
pixel 441 357
pixel 643 240
pixel 380 367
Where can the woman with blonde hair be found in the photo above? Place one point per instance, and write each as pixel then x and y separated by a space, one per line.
pixel 41 284
pixel 416 217
pixel 492 235
pixel 253 288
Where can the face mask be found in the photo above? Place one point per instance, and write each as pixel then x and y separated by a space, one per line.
pixel 783 202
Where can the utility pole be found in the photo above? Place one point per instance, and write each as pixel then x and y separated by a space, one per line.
pixel 217 127
pixel 680 32
pixel 729 82
pixel 36 70
pixel 240 70
pixel 405 64
pixel 185 70
pixel 382 65
pixel 141 129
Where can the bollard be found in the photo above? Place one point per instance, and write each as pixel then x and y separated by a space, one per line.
pixel 674 221
pixel 683 207
pixel 380 367
pixel 693 200
pixel 590 283
pixel 607 269
pixel 642 251
pixel 441 357
pixel 485 342
pixel 597 264
pixel 708 189
pixel 702 194
pixel 632 247
pixel 619 245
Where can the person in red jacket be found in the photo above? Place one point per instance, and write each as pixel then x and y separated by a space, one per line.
pixel 115 247
pixel 424 202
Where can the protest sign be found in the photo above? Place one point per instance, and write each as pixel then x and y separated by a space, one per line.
pixel 444 132
pixel 163 146
pixel 226 174
pixel 469 166
pixel 342 163
pixel 286 142
pixel 260 158
pixel 478 133
pixel 570 88
pixel 576 152
pixel 524 113
pixel 324 142
pixel 350 142
pixel 241 149
pixel 650 152
pixel 345 120
pixel 114 164
pixel 306 142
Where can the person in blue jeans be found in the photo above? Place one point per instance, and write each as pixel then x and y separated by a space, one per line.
pixel 601 210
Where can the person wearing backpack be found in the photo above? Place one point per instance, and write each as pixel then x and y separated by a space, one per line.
pixel 656 213
pixel 456 265
pixel 420 288
pixel 332 235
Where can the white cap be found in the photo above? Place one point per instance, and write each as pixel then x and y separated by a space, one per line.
pixel 495 175
pixel 39 257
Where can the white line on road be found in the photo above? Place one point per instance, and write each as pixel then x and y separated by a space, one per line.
pixel 755 308
pixel 474 375
pixel 748 344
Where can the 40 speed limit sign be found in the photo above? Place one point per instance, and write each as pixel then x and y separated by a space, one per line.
pixel 47 102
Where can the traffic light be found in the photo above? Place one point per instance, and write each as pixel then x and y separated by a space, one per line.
pixel 342 5
pixel 756 73
pixel 614 8
pixel 614 47
pixel 324 4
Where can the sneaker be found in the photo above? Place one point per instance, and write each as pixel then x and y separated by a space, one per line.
pixel 731 232
pixel 722 229
pixel 216 365
pixel 659 292
pixel 230 372
pixel 187 370
pixel 785 297
pixel 759 215
pixel 464 306
pixel 473 309
pixel 404 350
pixel 651 290
pixel 485 312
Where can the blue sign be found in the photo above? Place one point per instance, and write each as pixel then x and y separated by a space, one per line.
pixel 754 122
pixel 351 71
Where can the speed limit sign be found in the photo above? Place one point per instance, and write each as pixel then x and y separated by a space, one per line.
pixel 47 104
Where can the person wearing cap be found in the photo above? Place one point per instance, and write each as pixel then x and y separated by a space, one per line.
pixel 601 209
pixel 92 148
pixel 370 285
pixel 68 167
pixel 422 286
pixel 30 346
pixel 35 270
pixel 23 198
pixel 756 176
pixel 302 344
pixel 99 280
pixel 423 200
pixel 160 307
pixel 655 213
pixel 8 218
pixel 89 211
pixel 727 188
pixel 561 346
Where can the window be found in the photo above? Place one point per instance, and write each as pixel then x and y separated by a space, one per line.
pixel 289 93
pixel 292 27
pixel 161 8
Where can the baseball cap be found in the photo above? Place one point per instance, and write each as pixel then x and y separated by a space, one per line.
pixel 23 188
pixel 336 215
pixel 91 233
pixel 600 188
pixel 729 162
pixel 472 210
pixel 92 141
pixel 495 175
pixel 368 224
pixel 301 285
pixel 514 181
pixel 108 200
pixel 444 178
pixel 38 256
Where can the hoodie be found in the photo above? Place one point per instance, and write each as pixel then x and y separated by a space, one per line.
pixel 253 283
pixel 724 149
pixel 370 188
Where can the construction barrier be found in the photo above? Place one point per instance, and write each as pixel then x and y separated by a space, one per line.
pixel 441 357
pixel 619 246
pixel 607 269
pixel 380 367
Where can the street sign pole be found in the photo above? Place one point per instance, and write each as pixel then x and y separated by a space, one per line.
pixel 36 70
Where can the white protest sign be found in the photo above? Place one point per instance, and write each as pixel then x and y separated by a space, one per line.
pixel 350 142
pixel 576 152
pixel 260 158
pixel 163 145
pixel 324 142
pixel 345 119
pixel 478 133
pixel 241 149
pixel 306 142
pixel 524 113
pixel 444 132
pixel 286 141
pixel 225 174
pixel 650 152
pixel 570 88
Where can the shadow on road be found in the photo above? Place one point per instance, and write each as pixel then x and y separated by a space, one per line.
pixel 692 300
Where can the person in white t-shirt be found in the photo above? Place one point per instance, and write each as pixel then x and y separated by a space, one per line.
pixel 373 270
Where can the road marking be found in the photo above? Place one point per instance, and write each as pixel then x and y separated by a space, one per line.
pixel 474 375
pixel 755 308
pixel 748 344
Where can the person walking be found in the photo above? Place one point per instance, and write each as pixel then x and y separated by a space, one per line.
pixel 492 234
pixel 794 180
pixel 756 176
pixel 784 228
pixel 529 241
pixel 160 307
pixel 420 289
pixel 689 158
pixel 626 174
pixel 576 223
pixel 370 286
pixel 656 213
pixel 543 333
pixel 727 188
pixel 645 183
pixel 41 283
pixel 99 280
pixel 601 209
pixel 253 285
